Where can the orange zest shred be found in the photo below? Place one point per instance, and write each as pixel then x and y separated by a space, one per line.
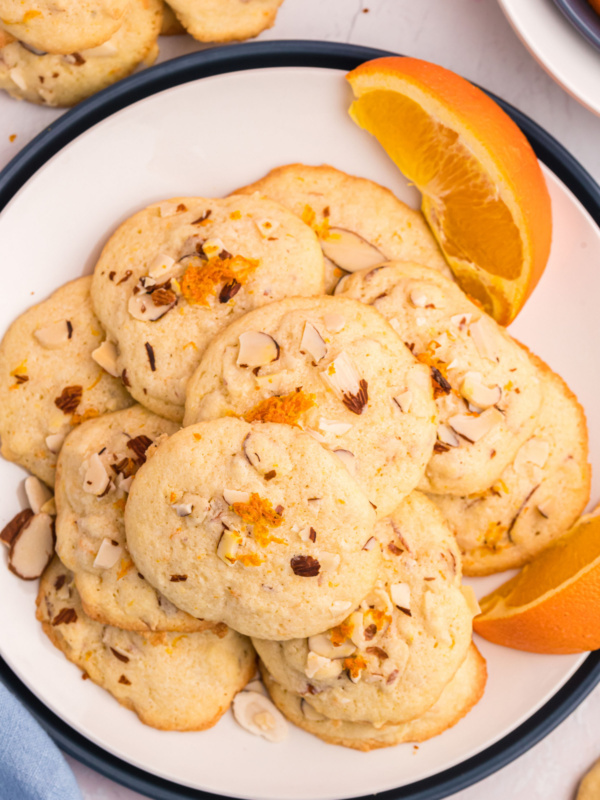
pixel 126 565
pixel 259 512
pixel 89 413
pixel 200 282
pixel 341 632
pixel 119 505
pixel 95 383
pixel 355 665
pixel 286 408
pixel 309 218
pixel 379 617
pixel 250 559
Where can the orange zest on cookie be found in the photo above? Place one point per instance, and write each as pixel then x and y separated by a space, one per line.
pixel 310 218
pixel 286 408
pixel 341 632
pixel 250 559
pixel 355 665
pixel 259 512
pixel 199 283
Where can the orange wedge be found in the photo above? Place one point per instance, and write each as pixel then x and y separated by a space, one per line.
pixel 484 194
pixel 552 605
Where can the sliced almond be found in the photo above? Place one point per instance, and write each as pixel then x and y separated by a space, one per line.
pixel 447 436
pixel 348 459
pixel 313 343
pixel 183 509
pixel 256 686
pixel 228 546
pixel 474 428
pixel 475 391
pixel 141 307
pixel 322 668
pixel 37 493
pixel 404 401
pixel 17 76
pixel 32 548
pixel 108 554
pixel 212 247
pixel 322 645
pixel 124 483
pixel 349 251
pixel 314 503
pixel 339 606
pixel 266 226
pixel 54 336
pixel 334 322
pixel 257 349
pixel 169 209
pixel 471 600
pixel 335 427
pixel 49 507
pixel 418 298
pixel 545 508
pixel 483 337
pixel 55 441
pixel 162 267
pixel 13 528
pixel 329 561
pixel 534 451
pixel 96 478
pixel 106 357
pixel 461 321
pixel 232 496
pixel 257 714
pixel 316 435
pixel 396 325
pixel 370 543
pixel 344 379
pixel 400 593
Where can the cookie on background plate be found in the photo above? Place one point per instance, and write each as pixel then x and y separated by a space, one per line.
pixel 64 27
pixel 359 223
pixel 537 498
pixel 390 659
pixel 336 368
pixel 64 80
pixel 257 526
pixel 96 467
pixel 463 692
pixel 49 381
pixel 173 681
pixel 176 273
pixel 487 388
pixel 225 20
pixel 170 24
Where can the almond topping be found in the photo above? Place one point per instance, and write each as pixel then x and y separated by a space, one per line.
pixel 232 496
pixel 334 322
pixel 10 531
pixel 55 335
pixel 106 357
pixel 108 554
pixel 37 493
pixel 349 251
pixel 348 459
pixel 446 435
pixel 418 299
pixel 162 267
pixel 322 645
pixel 404 401
pixel 55 441
pixel 257 349
pixel 483 337
pixel 313 343
pixel 400 593
pixel 534 451
pixel 257 714
pixel 321 667
pixel 334 427
pixel 32 548
pixel 342 376
pixel 473 428
pixel 475 391
pixel 96 478
pixel 142 307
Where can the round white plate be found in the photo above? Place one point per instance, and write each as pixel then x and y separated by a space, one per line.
pixel 207 137
pixel 560 49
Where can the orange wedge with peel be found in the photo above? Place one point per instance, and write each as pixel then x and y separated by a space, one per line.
pixel 484 193
pixel 553 604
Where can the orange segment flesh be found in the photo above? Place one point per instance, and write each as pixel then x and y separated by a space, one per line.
pixel 484 194
pixel 552 605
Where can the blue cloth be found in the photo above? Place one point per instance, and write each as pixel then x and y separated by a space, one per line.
pixel 31 765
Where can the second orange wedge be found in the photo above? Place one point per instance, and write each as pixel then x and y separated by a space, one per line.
pixel 552 605
pixel 484 194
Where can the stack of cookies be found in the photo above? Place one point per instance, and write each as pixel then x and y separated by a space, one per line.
pixel 244 462
pixel 58 53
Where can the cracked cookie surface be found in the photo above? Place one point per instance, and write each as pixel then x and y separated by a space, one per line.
pixel 257 526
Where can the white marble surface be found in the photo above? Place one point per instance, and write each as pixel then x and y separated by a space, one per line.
pixel 473 38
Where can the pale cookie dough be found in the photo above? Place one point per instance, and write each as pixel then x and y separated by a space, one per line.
pixel 391 658
pixel 463 692
pixel 487 388
pixel 225 20
pixel 173 681
pixel 257 526
pixel 62 26
pixel 175 274
pixel 64 80
pixel 537 498
pixel 370 221
pixel 341 373
pixel 95 470
pixel 589 788
pixel 49 381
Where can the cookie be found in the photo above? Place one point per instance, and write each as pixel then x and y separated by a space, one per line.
pixel 49 381
pixel 62 27
pixel 463 692
pixel 175 274
pixel 537 498
pixel 170 24
pixel 487 388
pixel 390 659
pixel 341 373
pixel 257 526
pixel 97 464
pixel 225 20
pixel 589 788
pixel 64 80
pixel 359 223
pixel 173 681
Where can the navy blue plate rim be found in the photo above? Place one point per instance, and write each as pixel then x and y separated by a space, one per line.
pixel 259 55
pixel 583 17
